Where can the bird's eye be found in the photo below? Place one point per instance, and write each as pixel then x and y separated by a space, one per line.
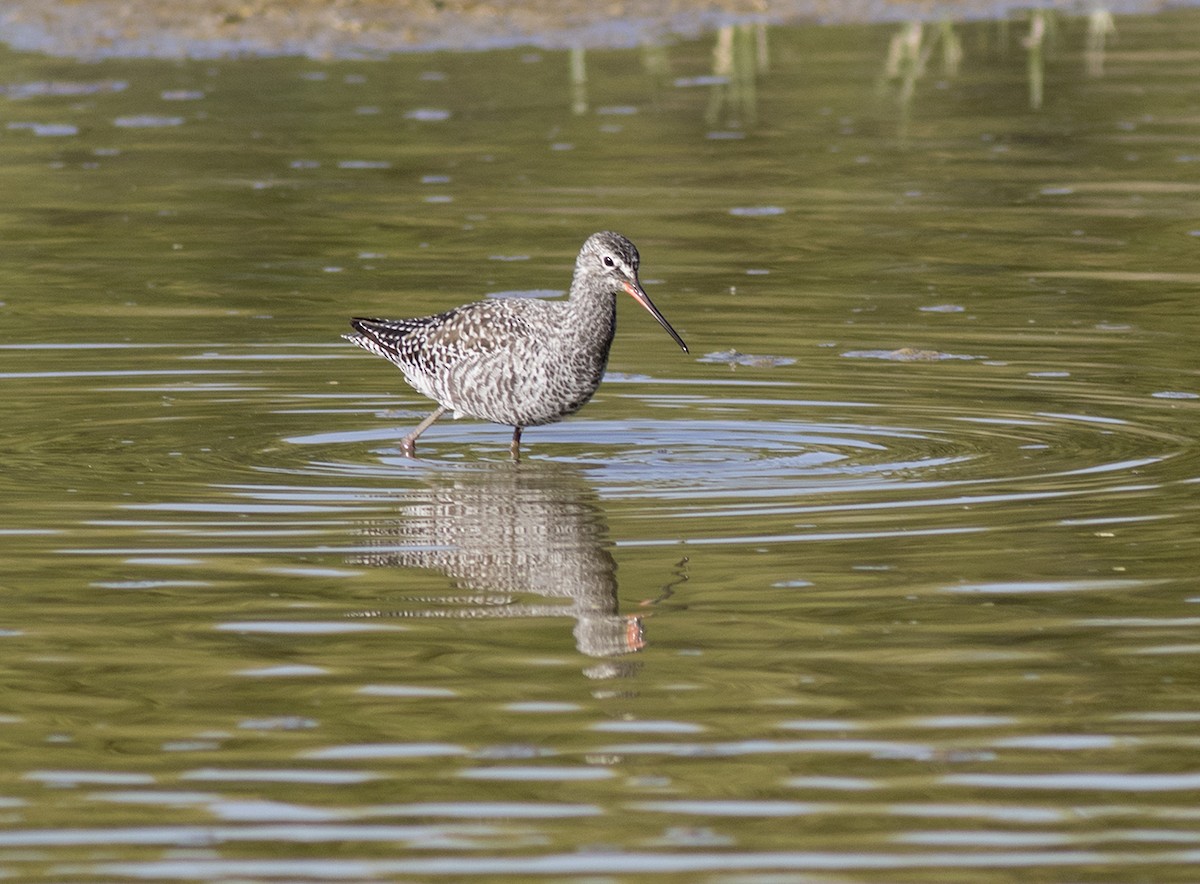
pixel 608 261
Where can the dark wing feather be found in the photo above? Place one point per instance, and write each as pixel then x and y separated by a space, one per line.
pixel 429 342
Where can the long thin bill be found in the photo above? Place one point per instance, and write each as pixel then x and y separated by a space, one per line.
pixel 642 298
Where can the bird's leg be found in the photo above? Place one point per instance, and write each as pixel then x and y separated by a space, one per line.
pixel 515 448
pixel 408 445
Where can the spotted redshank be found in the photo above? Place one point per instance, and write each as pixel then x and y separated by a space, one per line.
pixel 518 362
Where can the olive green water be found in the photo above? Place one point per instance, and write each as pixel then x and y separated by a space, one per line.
pixel 893 578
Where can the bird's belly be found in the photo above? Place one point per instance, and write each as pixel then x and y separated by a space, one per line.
pixel 520 393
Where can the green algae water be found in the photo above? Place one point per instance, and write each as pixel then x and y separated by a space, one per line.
pixel 892 578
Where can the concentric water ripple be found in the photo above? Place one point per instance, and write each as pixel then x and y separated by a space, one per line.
pixel 697 457
pixel 702 459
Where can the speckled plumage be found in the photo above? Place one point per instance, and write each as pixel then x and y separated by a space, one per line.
pixel 522 363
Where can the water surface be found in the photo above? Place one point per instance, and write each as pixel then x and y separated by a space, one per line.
pixel 891 579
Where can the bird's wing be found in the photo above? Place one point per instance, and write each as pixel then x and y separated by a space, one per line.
pixel 383 337
pixel 468 332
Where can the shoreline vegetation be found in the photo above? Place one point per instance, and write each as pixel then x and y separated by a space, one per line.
pixel 96 29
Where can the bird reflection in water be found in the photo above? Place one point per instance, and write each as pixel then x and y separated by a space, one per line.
pixel 503 530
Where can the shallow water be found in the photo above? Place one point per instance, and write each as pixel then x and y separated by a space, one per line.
pixel 891 579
